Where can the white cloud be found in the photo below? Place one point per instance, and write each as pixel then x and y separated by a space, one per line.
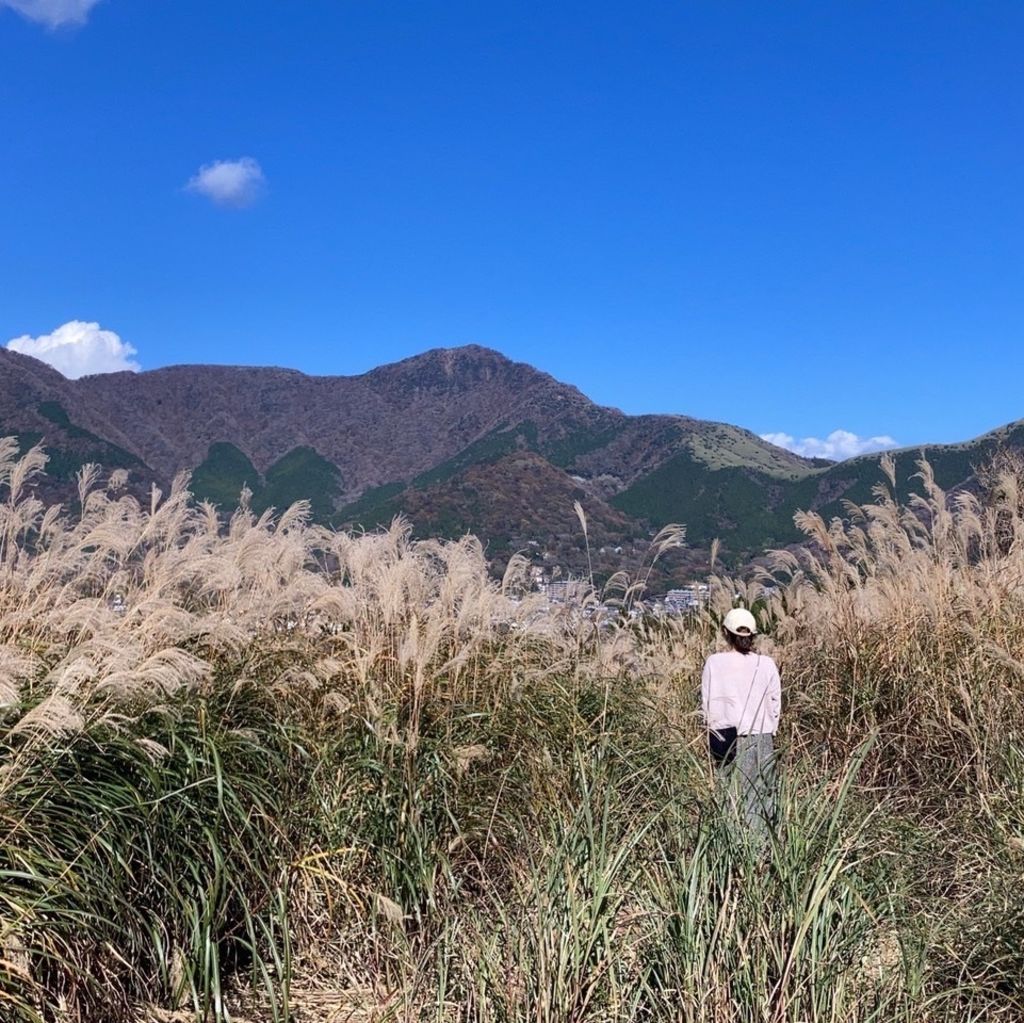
pixel 229 182
pixel 77 349
pixel 53 13
pixel 839 444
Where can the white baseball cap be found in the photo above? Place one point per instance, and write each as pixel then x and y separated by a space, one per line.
pixel 740 620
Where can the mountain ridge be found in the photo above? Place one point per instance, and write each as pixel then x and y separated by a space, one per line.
pixel 455 438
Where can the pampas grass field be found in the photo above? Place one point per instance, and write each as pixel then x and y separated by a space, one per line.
pixel 254 769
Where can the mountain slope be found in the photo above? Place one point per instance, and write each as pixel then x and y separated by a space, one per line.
pixel 34 406
pixel 391 423
pixel 458 440
pixel 953 466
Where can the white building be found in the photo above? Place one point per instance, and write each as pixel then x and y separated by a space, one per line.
pixel 687 599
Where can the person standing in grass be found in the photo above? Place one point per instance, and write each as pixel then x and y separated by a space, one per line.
pixel 741 696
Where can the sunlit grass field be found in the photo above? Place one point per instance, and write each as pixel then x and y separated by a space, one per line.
pixel 256 769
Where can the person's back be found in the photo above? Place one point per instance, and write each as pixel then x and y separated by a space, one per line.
pixel 741 691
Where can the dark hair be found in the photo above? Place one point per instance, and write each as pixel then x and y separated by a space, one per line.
pixel 738 641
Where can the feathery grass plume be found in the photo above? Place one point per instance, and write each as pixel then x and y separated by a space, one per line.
pixel 668 538
pixel 17 473
pixel 582 517
pixel 55 715
pixel 16 669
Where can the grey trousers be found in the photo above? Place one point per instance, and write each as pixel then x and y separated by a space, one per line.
pixel 747 785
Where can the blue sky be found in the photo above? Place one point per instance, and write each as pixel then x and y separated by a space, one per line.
pixel 795 217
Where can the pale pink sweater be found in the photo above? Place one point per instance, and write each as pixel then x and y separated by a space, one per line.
pixel 741 691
